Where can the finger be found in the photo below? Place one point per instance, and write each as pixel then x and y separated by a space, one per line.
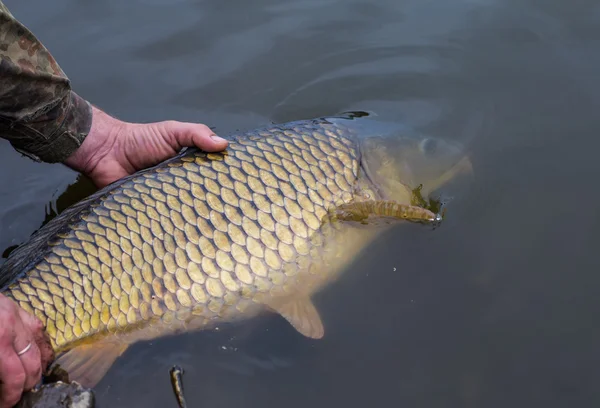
pixel 47 355
pixel 31 362
pixel 41 338
pixel 12 375
pixel 30 359
pixel 185 134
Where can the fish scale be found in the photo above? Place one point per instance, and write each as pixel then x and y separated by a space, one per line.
pixel 205 232
pixel 199 238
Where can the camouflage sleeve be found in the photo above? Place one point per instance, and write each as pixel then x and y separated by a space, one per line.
pixel 39 113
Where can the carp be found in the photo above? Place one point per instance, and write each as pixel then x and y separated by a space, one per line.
pixel 206 238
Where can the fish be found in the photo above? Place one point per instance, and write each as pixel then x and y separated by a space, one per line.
pixel 206 238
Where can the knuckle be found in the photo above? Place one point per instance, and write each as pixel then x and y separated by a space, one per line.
pixel 36 324
pixel 169 124
pixel 205 130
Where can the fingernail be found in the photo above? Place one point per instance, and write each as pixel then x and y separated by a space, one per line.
pixel 218 139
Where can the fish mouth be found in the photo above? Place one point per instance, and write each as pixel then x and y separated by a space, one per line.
pixel 463 167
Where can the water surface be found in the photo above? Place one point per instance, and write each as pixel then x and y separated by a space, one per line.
pixel 496 308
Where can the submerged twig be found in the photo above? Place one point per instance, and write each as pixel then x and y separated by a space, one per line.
pixel 176 373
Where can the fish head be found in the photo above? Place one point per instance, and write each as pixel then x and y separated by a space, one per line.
pixel 405 167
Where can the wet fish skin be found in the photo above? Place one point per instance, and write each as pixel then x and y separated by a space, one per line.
pixel 200 238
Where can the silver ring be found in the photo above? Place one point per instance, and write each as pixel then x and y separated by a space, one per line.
pixel 25 350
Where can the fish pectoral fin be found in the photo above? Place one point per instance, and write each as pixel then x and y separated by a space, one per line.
pixel 87 364
pixel 360 211
pixel 303 316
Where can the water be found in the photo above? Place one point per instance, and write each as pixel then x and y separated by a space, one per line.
pixel 496 308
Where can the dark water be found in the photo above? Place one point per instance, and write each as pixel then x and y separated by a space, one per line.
pixel 497 308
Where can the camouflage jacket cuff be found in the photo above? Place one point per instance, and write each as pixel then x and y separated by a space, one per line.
pixel 73 115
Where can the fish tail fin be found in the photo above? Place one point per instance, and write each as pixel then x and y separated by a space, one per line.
pixel 87 364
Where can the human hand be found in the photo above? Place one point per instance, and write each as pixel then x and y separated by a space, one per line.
pixel 21 373
pixel 114 149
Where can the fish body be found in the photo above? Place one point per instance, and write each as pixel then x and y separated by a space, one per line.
pixel 199 239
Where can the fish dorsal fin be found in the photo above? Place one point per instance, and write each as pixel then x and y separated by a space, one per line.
pixel 87 364
pixel 303 316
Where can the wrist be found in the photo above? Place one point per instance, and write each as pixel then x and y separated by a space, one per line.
pixel 101 139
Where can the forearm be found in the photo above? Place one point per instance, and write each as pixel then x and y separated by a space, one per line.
pixel 44 119
pixel 39 113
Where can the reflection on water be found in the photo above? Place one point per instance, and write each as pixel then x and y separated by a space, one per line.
pixel 74 192
pixel 495 308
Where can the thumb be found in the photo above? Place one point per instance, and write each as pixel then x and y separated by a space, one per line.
pixel 183 134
